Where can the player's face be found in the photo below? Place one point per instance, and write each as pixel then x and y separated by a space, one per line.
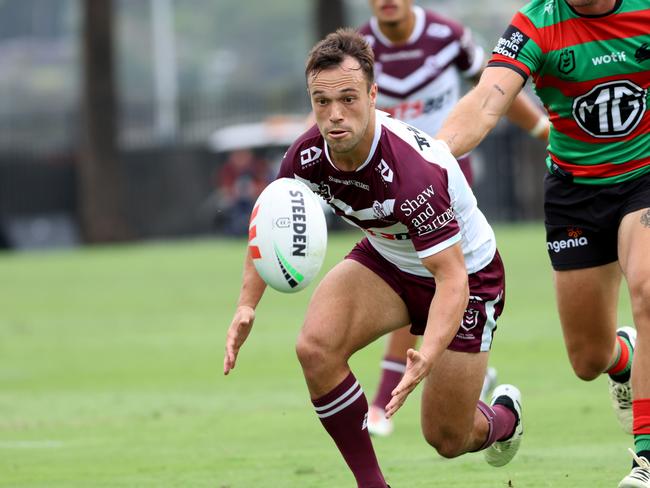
pixel 391 11
pixel 344 109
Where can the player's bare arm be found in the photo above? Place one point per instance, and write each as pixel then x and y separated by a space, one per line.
pixel 524 113
pixel 466 126
pixel 445 315
pixel 251 292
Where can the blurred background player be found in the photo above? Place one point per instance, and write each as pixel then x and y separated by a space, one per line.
pixel 421 59
pixel 428 258
pixel 239 181
pixel 590 62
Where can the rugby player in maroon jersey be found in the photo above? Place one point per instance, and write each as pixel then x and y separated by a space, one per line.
pixel 428 259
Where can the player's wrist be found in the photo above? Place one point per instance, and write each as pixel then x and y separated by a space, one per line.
pixel 540 127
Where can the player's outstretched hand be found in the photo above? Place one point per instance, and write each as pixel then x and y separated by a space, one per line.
pixel 417 368
pixel 240 327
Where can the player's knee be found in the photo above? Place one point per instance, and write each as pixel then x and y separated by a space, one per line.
pixel 640 295
pixel 588 368
pixel 446 444
pixel 311 352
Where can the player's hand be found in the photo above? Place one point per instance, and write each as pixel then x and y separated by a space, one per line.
pixel 240 327
pixel 417 368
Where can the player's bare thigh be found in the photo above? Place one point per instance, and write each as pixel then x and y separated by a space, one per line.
pixel 634 251
pixel 587 300
pixel 450 419
pixel 350 308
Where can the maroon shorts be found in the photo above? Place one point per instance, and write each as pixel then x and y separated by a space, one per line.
pixel 486 289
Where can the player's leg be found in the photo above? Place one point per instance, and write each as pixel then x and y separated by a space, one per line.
pixel 393 365
pixel 581 228
pixel 634 244
pixel 351 307
pixel 451 422
pixel 587 300
pixel 454 420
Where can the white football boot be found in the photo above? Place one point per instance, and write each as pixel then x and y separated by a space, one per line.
pixel 501 452
pixel 378 424
pixel 639 477
pixel 621 393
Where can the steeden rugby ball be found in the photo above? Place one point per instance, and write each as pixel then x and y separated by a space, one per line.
pixel 287 235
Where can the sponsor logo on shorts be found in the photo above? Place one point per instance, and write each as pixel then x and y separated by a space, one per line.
pixel 511 43
pixel 574 239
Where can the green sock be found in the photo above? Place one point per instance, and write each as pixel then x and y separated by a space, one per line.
pixel 642 442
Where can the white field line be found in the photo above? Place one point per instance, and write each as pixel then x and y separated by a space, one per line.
pixel 45 444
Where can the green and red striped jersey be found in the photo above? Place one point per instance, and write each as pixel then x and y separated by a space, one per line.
pixel 592 73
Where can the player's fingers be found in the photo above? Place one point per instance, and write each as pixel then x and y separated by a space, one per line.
pixel 394 405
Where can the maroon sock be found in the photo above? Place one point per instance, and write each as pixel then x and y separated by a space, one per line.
pixel 501 423
pixel 344 412
pixel 392 371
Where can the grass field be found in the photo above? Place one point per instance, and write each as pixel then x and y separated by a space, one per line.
pixel 111 376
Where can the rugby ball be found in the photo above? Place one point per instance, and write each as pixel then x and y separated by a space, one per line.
pixel 287 235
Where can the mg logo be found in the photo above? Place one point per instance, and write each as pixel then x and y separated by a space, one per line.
pixel 612 109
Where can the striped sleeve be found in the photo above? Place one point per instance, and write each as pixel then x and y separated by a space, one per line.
pixel 519 47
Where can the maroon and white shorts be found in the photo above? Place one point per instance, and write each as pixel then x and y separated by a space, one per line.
pixel 486 289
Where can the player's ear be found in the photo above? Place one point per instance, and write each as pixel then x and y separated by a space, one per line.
pixel 373 94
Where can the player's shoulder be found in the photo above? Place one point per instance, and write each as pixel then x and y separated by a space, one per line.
pixel 410 147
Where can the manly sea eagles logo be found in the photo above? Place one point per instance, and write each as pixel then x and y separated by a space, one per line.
pixel 324 191
pixel 379 210
pixel 611 109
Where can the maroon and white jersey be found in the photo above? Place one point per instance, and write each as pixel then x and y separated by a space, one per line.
pixel 420 81
pixel 409 197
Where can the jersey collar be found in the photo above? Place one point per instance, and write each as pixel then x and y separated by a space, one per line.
pixel 418 28
pixel 617 5
pixel 373 147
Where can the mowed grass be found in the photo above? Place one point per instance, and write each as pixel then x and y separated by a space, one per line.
pixel 111 376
